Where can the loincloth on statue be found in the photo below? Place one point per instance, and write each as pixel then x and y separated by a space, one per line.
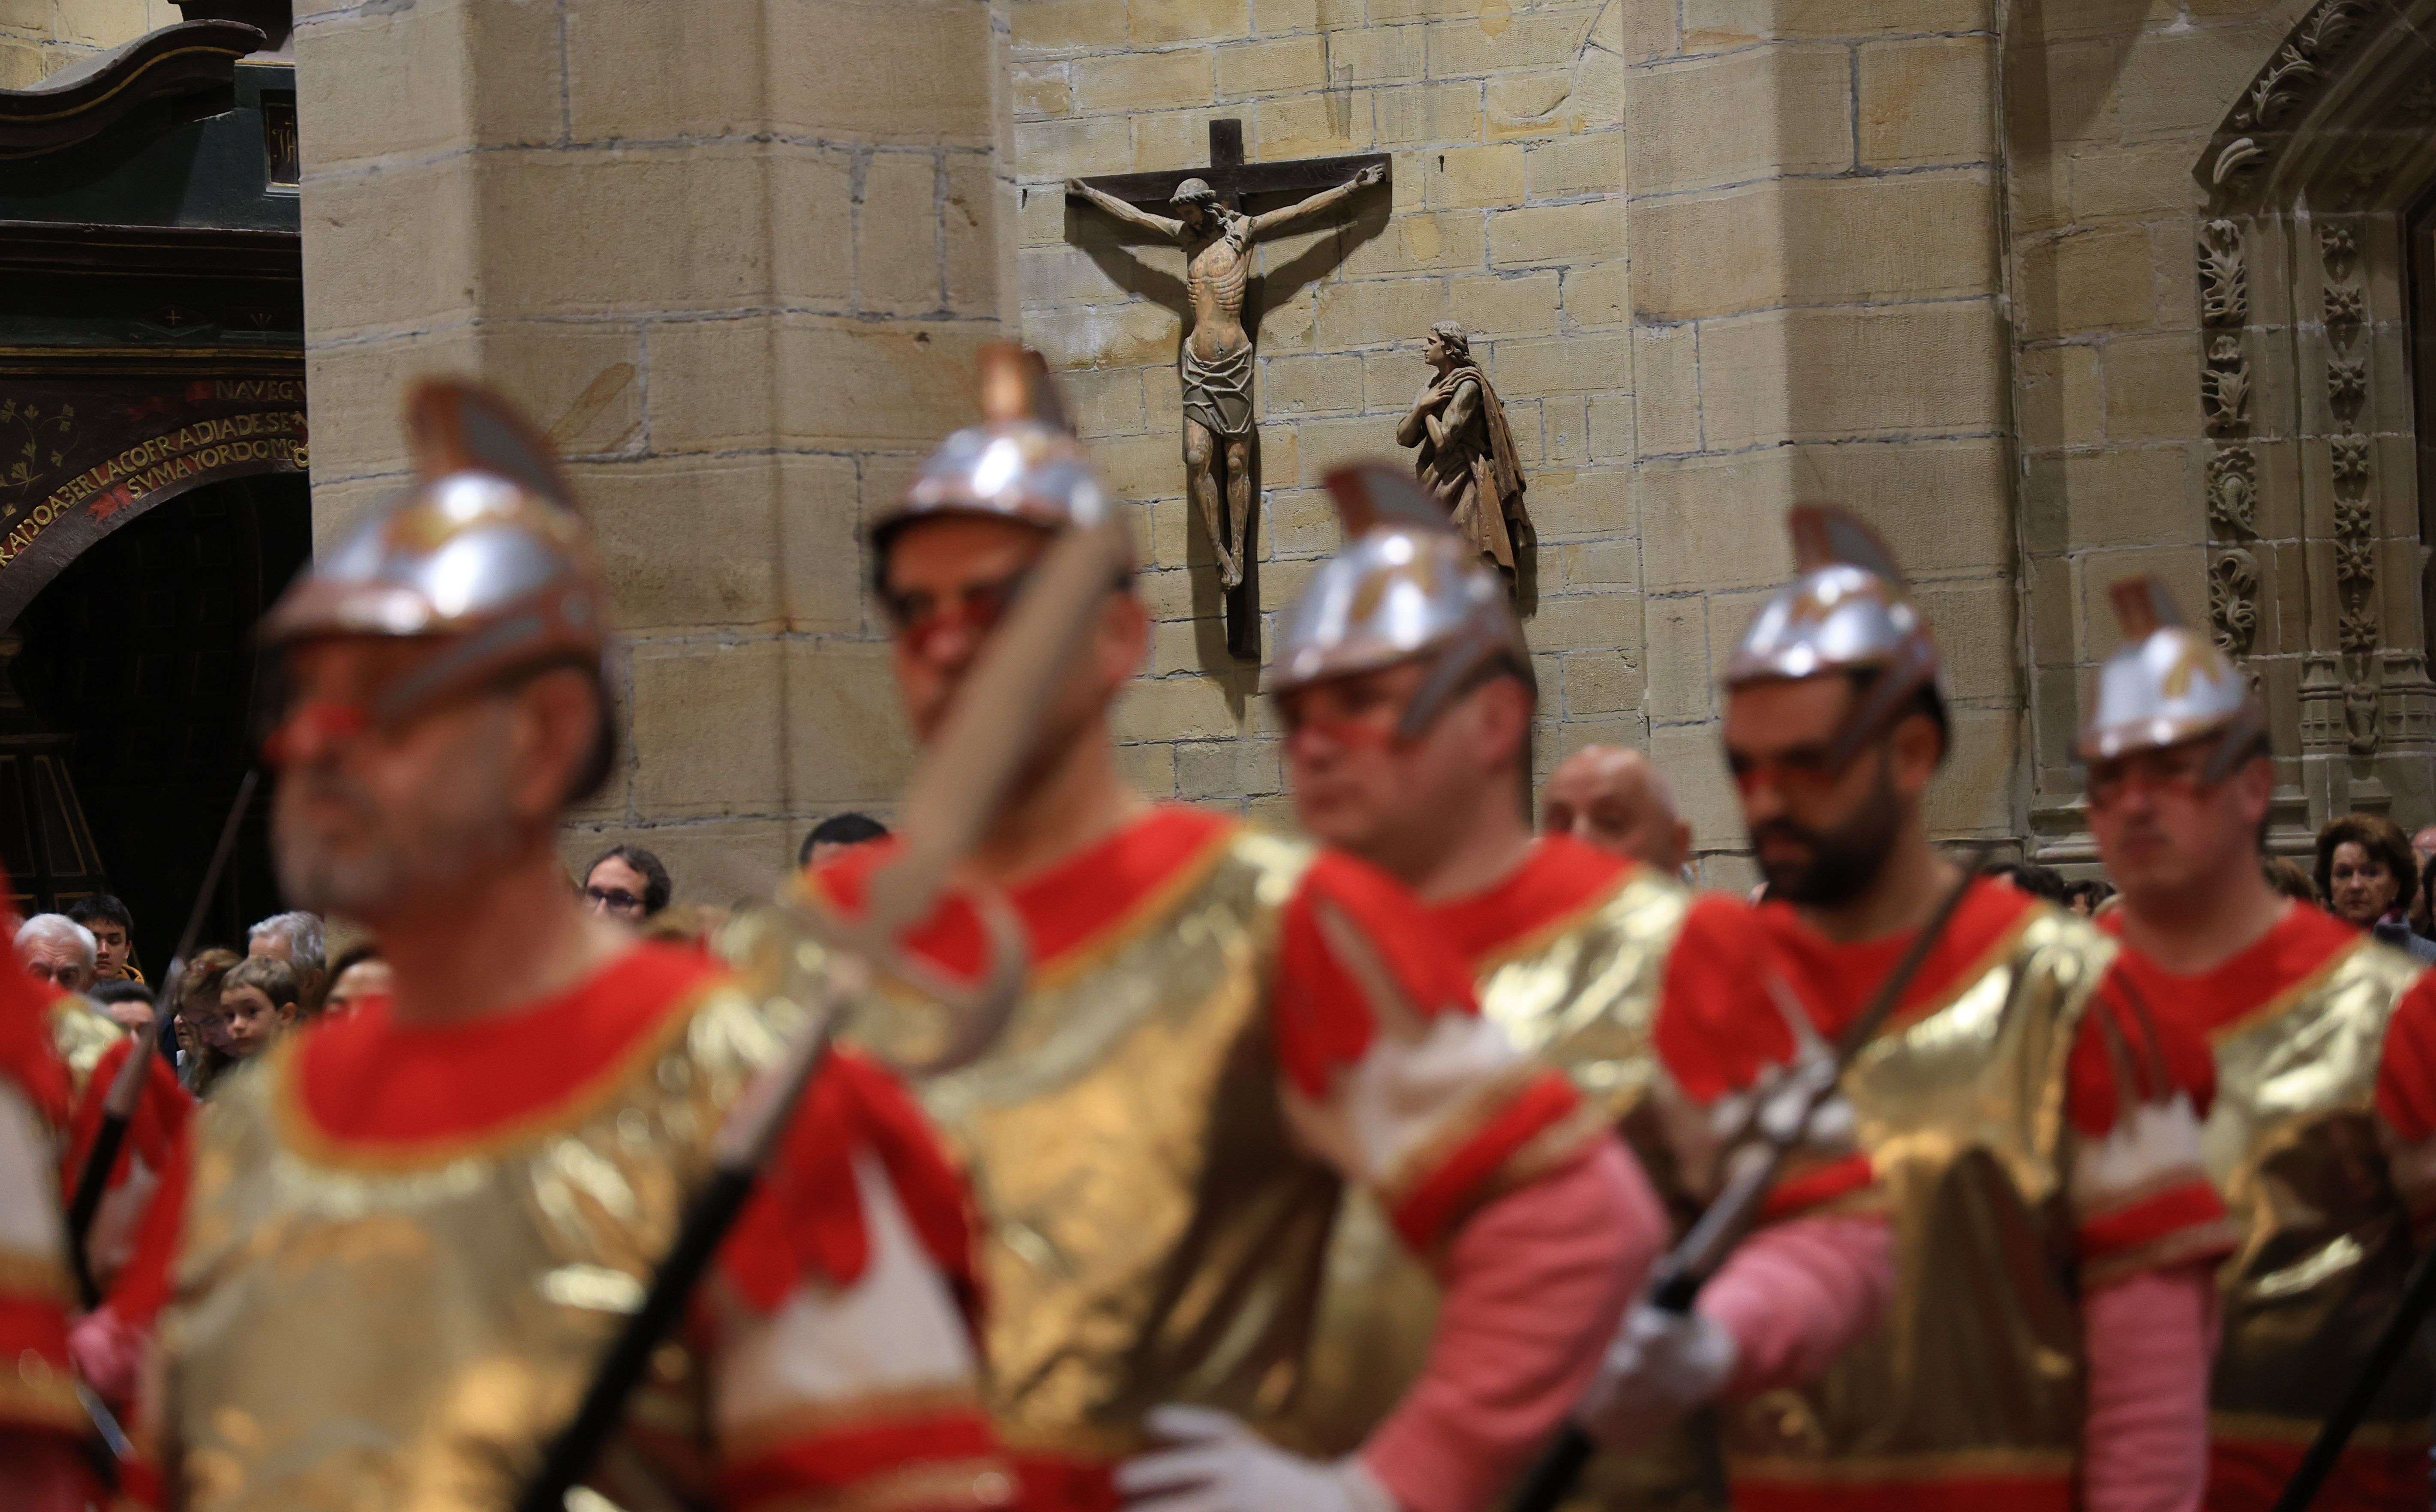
pixel 1218 393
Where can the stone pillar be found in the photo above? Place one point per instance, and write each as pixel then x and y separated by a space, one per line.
pixel 736 256
pixel 1815 314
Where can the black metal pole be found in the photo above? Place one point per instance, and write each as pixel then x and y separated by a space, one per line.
pixel 2418 1296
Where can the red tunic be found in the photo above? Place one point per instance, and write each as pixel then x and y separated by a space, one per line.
pixel 36 1397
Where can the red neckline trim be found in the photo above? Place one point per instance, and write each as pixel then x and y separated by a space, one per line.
pixel 1081 902
pixel 1840 979
pixel 2300 945
pixel 1560 878
pixel 369 1083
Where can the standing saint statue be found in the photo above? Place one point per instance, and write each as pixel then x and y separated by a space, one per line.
pixel 1466 455
pixel 1217 364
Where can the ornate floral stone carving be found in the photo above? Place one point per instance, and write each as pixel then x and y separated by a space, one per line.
pixel 2224 387
pixel 2346 383
pixel 2348 451
pixel 2233 601
pixel 2224 280
pixel 2233 489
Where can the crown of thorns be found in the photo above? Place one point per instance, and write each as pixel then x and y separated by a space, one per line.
pixel 1194 192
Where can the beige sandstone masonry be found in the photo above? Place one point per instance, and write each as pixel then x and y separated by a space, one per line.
pixel 38 38
pixel 735 255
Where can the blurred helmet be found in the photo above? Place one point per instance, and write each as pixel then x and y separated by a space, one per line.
pixel 484 550
pixel 2165 683
pixel 1405 586
pixel 1848 611
pixel 1021 462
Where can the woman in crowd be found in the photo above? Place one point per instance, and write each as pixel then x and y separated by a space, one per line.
pixel 2367 875
pixel 359 978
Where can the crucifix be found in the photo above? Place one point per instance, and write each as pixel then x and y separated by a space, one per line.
pixel 1205 216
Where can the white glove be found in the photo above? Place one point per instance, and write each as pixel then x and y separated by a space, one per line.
pixel 1662 1366
pixel 1215 1463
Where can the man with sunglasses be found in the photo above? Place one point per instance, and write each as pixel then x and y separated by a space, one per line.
pixel 2323 1132
pixel 1219 1029
pixel 1406 690
pixel 1981 1281
pixel 409 1234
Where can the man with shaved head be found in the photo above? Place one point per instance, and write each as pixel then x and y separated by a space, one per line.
pixel 1614 798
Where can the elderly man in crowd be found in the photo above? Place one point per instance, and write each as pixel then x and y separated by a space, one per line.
pixel 1614 799
pixel 58 953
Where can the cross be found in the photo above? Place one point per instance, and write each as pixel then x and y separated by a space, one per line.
pixel 1231 179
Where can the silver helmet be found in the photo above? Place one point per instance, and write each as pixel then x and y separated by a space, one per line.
pixel 1848 611
pixel 484 550
pixel 1405 586
pixel 1021 462
pixel 2166 684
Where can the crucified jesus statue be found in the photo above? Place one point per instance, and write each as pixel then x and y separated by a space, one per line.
pixel 1217 362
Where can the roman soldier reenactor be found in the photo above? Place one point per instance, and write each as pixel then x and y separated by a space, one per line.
pixel 2323 1132
pixel 1221 1028
pixel 1985 1281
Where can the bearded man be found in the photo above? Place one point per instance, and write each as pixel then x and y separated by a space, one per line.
pixel 1219 1029
pixel 1983 1282
pixel 1406 691
pixel 2323 1132
pixel 409 1235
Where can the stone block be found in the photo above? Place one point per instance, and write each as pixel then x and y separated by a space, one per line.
pixel 1542 103
pixel 710 385
pixel 1565 364
pixel 1144 82
pixel 1138 334
pixel 1326 124
pixel 2088 281
pixel 1221 770
pixel 970 210
pixel 2066 93
pixel 2134 182
pixel 1058 26
pixel 1586 623
pixel 1973 792
pixel 640 70
pixel 1378 55
pixel 1071 147
pixel 847 743
pixel 2121 497
pixel 812 224
pixel 1040 89
pixel 1613 438
pixel 1367 312
pixel 1577 166
pixel 1711 26
pixel 891 71
pixel 896 235
pixel 1590 231
pixel 2152 386
pixel 1694 766
pixel 823 574
pixel 1278 66
pixel 2056 394
pixel 1714 523
pixel 392 249
pixel 1487 11
pixel 1430 115
pixel 705 744
pixel 1302 522
pixel 378 86
pixel 692 543
pixel 1171 139
pixel 852 383
pixel 1599 294
pixel 1564 430
pixel 1324 444
pixel 1679 680
pixel 1811 242
pixel 2181 81
pixel 1973 622
pixel 1150 769
pixel 1312 385
pixel 1596 683
pixel 1831 374
pixel 579 383
pixel 1455 241
pixel 2053 611
pixel 1102 404
pixel 1157 22
pixel 1499 305
pixel 1713 121
pixel 341 507
pixel 355 390
pixel 1927 102
pixel 1474 178
pixel 647 229
pixel 1183 707
pixel 1568 502
pixel 1500 38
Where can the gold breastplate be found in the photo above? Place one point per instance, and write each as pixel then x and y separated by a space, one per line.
pixel 1582 996
pixel 351 1332
pixel 2292 1140
pixel 82 1037
pixel 1152 1234
pixel 1976 1369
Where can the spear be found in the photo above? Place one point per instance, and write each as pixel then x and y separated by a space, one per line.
pixel 2418 1296
pixel 127 1088
pixel 1779 1123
